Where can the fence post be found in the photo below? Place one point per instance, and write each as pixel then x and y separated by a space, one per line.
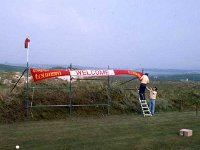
pixel 109 97
pixel 197 108
pixel 180 105
pixel 70 92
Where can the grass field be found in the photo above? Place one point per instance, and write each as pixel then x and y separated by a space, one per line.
pixel 118 132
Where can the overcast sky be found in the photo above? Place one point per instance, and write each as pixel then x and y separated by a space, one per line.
pixel 97 33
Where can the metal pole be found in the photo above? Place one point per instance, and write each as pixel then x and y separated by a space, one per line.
pixel 18 80
pixel 27 74
pixel 108 101
pixel 70 92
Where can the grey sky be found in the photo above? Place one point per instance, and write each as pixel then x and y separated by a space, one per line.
pixel 120 33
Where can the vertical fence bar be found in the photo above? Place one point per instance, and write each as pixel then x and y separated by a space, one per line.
pixel 70 92
pixel 197 108
pixel 109 98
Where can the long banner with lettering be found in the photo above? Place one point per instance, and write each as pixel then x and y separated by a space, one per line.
pixel 40 74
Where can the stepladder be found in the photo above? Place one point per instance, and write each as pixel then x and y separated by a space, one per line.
pixel 144 107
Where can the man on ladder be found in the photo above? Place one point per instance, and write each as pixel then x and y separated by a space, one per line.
pixel 144 81
pixel 143 103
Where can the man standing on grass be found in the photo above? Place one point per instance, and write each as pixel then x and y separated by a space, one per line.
pixel 144 81
pixel 152 101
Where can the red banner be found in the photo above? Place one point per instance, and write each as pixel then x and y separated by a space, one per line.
pixel 40 74
pixel 129 72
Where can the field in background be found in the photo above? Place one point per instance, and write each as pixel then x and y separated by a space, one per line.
pixel 117 132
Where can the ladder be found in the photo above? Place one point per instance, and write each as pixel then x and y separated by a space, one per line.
pixel 144 107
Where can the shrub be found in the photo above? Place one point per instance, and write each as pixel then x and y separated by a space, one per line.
pixel 171 96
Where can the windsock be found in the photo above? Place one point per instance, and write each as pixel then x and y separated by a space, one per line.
pixel 26 43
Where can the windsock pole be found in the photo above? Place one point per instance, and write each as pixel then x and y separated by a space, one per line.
pixel 27 41
pixel 27 74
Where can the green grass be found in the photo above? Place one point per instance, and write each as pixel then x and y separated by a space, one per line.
pixel 118 132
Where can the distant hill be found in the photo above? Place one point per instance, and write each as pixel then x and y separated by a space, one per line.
pixel 156 74
pixel 171 71
pixel 174 74
pixel 9 68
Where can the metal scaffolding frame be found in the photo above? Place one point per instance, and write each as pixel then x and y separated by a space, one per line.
pixel 70 105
